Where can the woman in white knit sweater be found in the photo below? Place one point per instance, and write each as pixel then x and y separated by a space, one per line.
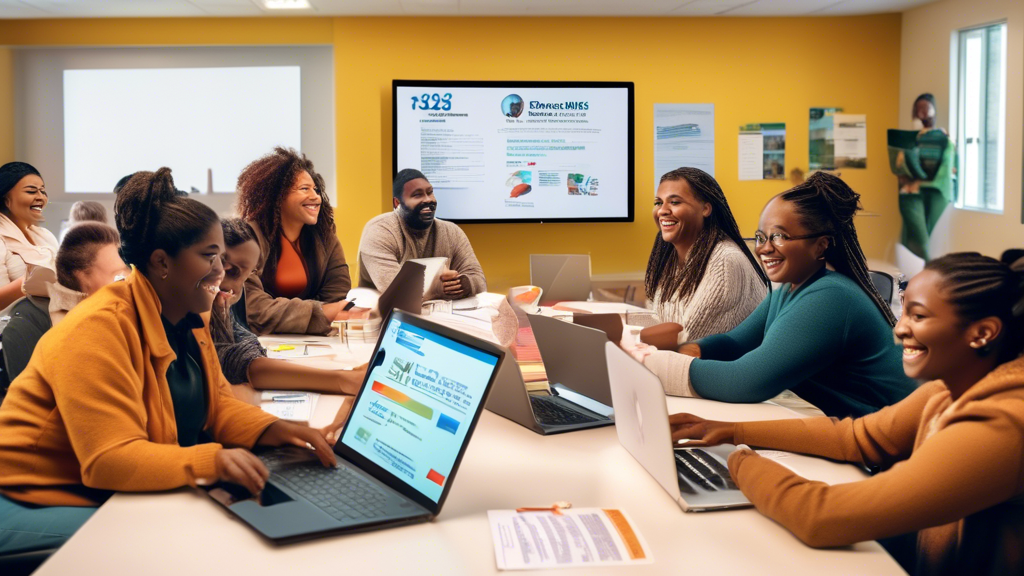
pixel 701 277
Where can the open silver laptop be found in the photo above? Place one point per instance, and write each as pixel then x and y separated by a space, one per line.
pixel 573 359
pixel 696 478
pixel 561 277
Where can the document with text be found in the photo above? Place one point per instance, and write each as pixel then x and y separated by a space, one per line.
pixel 567 538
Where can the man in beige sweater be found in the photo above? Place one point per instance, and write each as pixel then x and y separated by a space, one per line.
pixel 412 231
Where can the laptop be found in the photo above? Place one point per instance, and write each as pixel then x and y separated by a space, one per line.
pixel 405 292
pixel 400 449
pixel 561 277
pixel 696 478
pixel 573 359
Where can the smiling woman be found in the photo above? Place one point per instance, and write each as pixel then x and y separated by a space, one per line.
pixel 23 241
pixel 301 279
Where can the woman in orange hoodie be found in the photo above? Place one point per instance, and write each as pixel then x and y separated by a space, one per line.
pixel 126 393
pixel 952 451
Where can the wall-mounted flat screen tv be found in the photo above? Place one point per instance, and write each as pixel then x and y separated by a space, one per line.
pixel 519 151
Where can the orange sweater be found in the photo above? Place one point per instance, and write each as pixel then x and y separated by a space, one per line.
pixel 93 408
pixel 956 476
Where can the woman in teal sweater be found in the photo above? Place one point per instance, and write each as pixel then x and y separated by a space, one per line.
pixel 825 335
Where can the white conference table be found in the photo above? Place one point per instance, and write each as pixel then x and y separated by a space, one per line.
pixel 505 466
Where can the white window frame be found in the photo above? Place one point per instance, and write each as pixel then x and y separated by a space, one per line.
pixel 971 140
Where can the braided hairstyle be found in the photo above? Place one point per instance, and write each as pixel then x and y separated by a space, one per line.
pixel 982 287
pixel 150 215
pixel 663 268
pixel 826 205
pixel 262 186
pixel 236 231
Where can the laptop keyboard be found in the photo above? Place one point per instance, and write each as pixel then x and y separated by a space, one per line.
pixel 340 492
pixel 551 413
pixel 703 470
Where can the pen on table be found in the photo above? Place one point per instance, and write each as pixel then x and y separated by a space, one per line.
pixel 288 398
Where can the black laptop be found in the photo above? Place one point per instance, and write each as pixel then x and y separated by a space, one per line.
pixel 400 449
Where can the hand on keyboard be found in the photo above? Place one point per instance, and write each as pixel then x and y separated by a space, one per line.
pixel 700 432
pixel 283 433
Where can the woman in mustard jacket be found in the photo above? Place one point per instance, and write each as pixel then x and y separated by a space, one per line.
pixel 126 394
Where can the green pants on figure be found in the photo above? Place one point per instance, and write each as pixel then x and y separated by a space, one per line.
pixel 920 212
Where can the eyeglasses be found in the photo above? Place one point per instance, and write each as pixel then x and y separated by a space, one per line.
pixel 779 239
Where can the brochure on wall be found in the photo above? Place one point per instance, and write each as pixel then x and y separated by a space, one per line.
pixel 851 140
pixel 684 135
pixel 762 151
pixel 821 145
pixel 566 538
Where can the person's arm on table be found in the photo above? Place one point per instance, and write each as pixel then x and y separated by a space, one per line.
pixel 878 439
pixel 733 344
pixel 664 336
pixel 801 343
pixel 964 468
pixel 274 374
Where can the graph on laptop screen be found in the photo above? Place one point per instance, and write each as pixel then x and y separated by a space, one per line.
pixel 420 397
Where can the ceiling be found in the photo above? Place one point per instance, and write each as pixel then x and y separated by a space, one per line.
pixel 213 8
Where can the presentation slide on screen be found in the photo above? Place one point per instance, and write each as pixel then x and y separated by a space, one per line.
pixel 421 395
pixel 518 153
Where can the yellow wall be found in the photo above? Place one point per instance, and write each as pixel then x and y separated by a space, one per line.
pixel 753 70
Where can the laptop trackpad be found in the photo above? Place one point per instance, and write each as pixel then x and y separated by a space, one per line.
pixel 231 494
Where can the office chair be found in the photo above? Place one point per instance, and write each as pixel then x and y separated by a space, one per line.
pixel 884 283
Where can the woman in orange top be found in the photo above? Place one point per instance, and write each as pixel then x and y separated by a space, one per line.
pixel 952 451
pixel 126 393
pixel 301 279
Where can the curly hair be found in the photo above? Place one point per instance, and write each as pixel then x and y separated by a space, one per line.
pixel 262 186
pixel 680 280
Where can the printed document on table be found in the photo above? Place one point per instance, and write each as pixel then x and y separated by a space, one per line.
pixel 574 538
pixel 684 135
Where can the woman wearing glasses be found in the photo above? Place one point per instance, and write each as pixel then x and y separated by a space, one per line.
pixel 826 335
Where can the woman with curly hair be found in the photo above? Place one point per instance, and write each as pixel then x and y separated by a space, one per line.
pixel 301 278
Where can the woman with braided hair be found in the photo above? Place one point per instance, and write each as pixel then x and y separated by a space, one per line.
pixel 958 439
pixel 826 335
pixel 701 276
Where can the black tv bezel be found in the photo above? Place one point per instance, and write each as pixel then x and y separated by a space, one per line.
pixel 630 139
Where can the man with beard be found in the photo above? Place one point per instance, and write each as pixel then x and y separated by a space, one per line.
pixel 411 231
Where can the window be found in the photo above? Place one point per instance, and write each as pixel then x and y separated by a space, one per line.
pixel 981 117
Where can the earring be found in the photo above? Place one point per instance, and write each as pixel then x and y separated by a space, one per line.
pixel 164 277
pixel 980 343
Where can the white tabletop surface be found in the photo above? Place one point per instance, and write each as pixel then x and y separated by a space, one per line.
pixel 506 466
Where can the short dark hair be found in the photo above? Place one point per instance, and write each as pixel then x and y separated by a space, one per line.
pixel 10 174
pixel 403 177
pixel 151 216
pixel 120 183
pixel 980 287
pixel 78 250
pixel 88 211
pixel 680 279
pixel 926 96
pixel 237 231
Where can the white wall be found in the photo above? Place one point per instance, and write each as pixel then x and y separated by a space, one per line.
pixel 39 111
pixel 925 67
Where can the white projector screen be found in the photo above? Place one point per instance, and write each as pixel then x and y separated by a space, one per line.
pixel 519 151
pixel 197 121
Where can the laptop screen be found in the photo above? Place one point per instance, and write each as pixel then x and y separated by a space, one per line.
pixel 421 394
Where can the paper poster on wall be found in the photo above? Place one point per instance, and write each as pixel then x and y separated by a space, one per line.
pixel 821 145
pixel 684 135
pixel 850 135
pixel 762 151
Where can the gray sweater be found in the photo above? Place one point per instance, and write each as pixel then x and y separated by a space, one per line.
pixel 729 291
pixel 387 243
